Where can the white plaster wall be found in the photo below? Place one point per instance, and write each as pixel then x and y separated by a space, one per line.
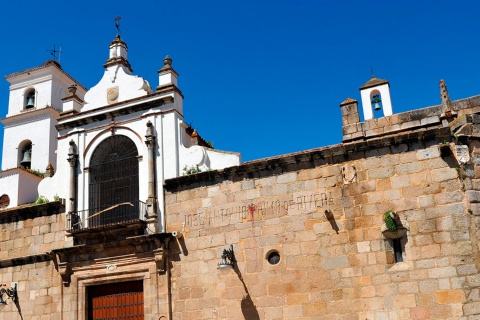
pixel 50 85
pixel 28 188
pixel 9 186
pixel 41 131
pixel 43 96
pixel 59 91
pixel 222 159
pixel 167 78
pixel 207 159
pixel 20 186
pixel 178 103
pixel 59 183
pixel 129 87
pixel 170 143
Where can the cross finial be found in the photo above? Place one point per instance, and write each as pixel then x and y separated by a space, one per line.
pixel 371 69
pixel 54 53
pixel 117 24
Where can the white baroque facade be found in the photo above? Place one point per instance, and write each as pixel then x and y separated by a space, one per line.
pixel 110 146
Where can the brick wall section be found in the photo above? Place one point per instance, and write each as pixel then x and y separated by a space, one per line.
pixel 329 269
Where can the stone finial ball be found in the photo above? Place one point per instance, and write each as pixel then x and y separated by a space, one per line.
pixel 167 60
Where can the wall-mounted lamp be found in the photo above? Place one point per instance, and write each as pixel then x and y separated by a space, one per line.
pixel 227 259
pixel 10 292
pixel 329 214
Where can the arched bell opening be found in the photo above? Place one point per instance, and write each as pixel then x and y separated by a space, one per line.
pixel 29 99
pixel 376 101
pixel 25 155
pixel 113 185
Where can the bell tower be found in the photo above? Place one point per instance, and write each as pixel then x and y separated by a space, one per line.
pixel 35 103
pixel 30 137
pixel 375 94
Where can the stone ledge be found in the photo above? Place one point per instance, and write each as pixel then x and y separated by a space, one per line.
pixel 301 160
pixel 31 211
pixel 24 260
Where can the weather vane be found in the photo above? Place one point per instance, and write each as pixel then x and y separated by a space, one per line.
pixel 117 24
pixel 54 53
pixel 371 69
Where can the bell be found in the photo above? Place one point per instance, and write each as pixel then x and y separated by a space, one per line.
pixel 30 101
pixel 376 106
pixel 27 158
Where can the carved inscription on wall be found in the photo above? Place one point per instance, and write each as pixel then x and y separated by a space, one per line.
pixel 259 210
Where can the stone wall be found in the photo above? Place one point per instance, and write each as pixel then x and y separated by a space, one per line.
pixel 31 230
pixel 322 211
pixel 27 236
pixel 52 275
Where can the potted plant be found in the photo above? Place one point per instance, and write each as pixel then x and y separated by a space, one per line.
pixel 392 227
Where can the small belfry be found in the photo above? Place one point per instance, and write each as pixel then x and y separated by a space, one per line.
pixel 375 94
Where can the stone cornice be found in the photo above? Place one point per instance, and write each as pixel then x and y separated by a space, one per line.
pixel 168 88
pixel 112 111
pixel 31 211
pixel 31 116
pixel 20 261
pixel 100 250
pixel 308 159
pixel 46 65
pixel 72 96
pixel 13 171
pixel 118 60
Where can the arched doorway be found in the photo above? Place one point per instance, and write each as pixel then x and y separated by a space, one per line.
pixel 113 189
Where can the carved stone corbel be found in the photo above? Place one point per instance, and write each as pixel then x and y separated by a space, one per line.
pixel 161 254
pixel 66 272
pixel 63 267
pixel 160 259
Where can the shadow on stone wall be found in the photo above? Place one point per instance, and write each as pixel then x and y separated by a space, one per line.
pixel 17 304
pixel 249 310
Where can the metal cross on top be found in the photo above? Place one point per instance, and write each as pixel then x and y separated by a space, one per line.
pixel 54 53
pixel 117 24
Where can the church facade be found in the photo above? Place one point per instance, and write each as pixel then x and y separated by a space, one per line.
pixel 146 221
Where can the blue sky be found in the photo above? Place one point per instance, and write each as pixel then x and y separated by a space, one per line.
pixel 262 78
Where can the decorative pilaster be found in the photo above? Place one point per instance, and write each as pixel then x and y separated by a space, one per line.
pixel 73 160
pixel 151 142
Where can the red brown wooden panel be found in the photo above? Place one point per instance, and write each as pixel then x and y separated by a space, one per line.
pixel 116 301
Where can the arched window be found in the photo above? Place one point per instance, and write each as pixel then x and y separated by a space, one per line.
pixel 29 100
pixel 25 154
pixel 4 201
pixel 113 189
pixel 376 100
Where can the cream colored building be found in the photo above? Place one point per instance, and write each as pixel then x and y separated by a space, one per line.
pixel 384 225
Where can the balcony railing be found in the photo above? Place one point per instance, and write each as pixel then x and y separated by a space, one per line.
pixel 120 214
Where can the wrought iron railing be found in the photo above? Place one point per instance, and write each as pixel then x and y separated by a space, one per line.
pixel 119 214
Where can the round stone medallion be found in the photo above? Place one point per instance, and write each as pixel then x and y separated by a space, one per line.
pixel 112 95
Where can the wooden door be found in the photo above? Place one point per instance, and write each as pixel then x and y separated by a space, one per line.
pixel 113 301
